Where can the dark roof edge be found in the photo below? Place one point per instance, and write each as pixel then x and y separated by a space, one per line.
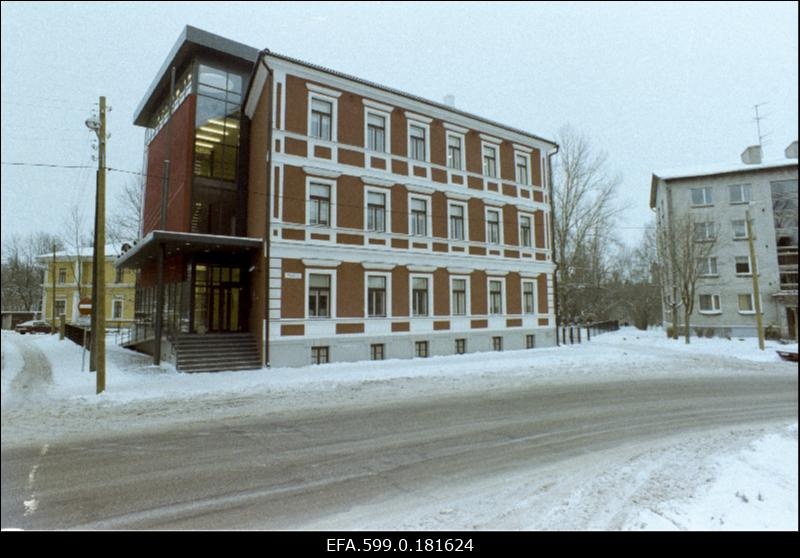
pixel 410 96
pixel 198 37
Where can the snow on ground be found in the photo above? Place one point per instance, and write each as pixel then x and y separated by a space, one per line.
pixel 728 480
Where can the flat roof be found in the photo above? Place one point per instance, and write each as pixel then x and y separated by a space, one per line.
pixel 190 42
pixel 184 243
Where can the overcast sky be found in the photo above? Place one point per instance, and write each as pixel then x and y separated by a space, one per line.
pixel 655 85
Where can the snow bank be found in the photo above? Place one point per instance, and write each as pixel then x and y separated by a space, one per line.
pixel 753 489
pixel 12 361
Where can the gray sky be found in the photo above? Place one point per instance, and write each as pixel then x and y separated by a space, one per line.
pixel 655 85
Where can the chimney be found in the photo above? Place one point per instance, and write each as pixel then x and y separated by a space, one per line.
pixel 450 100
pixel 752 155
pixel 791 151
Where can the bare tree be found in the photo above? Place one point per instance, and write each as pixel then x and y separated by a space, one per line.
pixel 78 236
pixel 125 224
pixel 683 246
pixel 22 273
pixel 636 281
pixel 584 207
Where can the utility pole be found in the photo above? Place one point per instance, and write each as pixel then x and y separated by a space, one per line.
pixel 99 259
pixel 754 272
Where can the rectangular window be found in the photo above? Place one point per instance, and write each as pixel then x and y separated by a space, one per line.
pixel 522 169
pixel 419 217
pixel 419 295
pixel 319 355
pixel 490 161
pixel 417 142
pixel 495 297
pixel 461 346
pixel 740 193
pixel 709 303
pixel 376 351
pixel 62 275
pixel 497 343
pixel 376 132
pixel 119 275
pixel 459 297
pixel 376 212
pixel 530 341
pixel 739 228
pixel 319 296
pixel 321 113
pixel 421 349
pixel 61 307
pixel 525 238
pixel 703 231
pixel 454 152
pixel 319 205
pixel 701 196
pixel 376 296
pixel 742 265
pixel 528 305
pixel 746 303
pixel 457 222
pixel 493 226
pixel 707 267
pixel 116 313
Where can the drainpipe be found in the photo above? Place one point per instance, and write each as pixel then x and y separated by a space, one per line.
pixel 268 233
pixel 552 236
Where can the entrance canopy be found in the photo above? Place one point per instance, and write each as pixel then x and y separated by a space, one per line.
pixel 181 243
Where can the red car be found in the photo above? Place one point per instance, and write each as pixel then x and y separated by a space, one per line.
pixel 33 326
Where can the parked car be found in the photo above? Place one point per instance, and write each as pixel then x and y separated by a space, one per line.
pixel 33 326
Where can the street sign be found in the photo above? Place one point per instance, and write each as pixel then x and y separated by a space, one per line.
pixel 85 306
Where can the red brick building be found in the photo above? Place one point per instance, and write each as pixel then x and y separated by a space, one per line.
pixel 334 219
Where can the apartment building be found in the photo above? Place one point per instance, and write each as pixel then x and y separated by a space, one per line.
pixel 70 274
pixel 717 198
pixel 334 219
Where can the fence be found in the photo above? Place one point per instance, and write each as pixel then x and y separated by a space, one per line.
pixel 574 333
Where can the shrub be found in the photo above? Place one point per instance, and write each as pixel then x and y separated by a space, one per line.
pixel 772 332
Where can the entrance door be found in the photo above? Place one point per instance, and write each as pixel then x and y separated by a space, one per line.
pixel 218 296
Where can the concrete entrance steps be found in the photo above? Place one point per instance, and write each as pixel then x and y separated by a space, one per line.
pixel 216 352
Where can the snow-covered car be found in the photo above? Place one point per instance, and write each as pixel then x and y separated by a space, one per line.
pixel 33 326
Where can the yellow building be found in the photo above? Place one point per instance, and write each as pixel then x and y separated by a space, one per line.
pixel 68 268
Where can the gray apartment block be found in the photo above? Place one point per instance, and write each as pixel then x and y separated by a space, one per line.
pixel 720 196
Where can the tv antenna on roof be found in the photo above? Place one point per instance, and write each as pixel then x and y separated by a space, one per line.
pixel 758 120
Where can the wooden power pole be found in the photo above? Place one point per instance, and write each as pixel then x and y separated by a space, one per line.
pixel 754 272
pixel 99 263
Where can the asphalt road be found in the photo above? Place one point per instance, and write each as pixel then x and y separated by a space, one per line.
pixel 287 472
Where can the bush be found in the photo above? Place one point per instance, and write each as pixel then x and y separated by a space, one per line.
pixel 709 333
pixel 772 332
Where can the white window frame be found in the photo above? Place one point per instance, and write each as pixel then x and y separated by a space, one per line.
pixel 503 295
pixel 716 308
pixel 741 188
pixel 121 302
pixel 733 226
pixel 320 271
pixel 465 207
pixel 467 280
pixel 428 217
pixel 387 140
pixel 706 261
pixel 530 218
pixel 411 277
pixel 747 273
pixel 387 218
pixel 708 227
pixel 532 282
pixel 752 311
pixel 463 160
pixel 708 196
pixel 328 96
pixel 496 147
pixel 427 127
pixel 499 212
pixel 323 182
pixel 386 275
pixel 527 157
